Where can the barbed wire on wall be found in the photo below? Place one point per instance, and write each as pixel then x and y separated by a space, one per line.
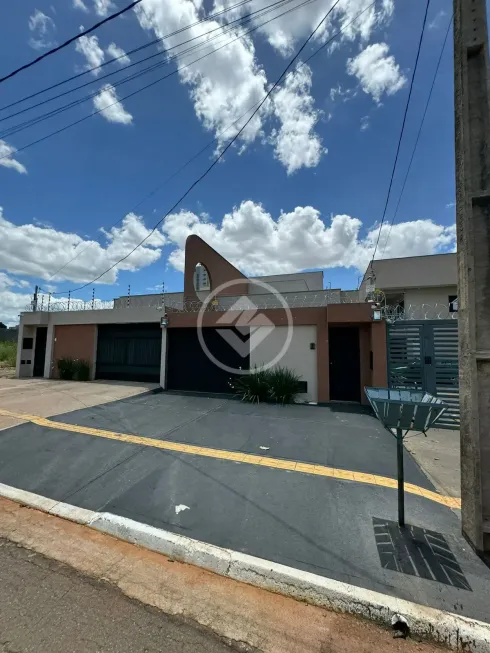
pixel 221 303
pixel 70 305
pixel 401 312
pixel 391 313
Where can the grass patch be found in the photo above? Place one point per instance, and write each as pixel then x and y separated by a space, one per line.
pixel 8 353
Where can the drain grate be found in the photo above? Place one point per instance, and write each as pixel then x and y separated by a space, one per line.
pixel 417 552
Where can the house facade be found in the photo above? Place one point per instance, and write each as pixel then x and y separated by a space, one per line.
pixel 201 339
pixel 423 287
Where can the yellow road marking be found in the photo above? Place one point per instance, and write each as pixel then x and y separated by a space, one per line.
pixel 251 459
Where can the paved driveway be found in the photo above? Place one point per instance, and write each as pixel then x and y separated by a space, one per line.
pixel 51 397
pixel 310 487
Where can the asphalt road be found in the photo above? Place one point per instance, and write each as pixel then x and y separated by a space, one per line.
pixel 47 606
pixel 316 523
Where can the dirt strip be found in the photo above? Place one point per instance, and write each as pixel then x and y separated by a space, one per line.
pixel 251 618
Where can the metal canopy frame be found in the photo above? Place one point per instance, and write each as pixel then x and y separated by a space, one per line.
pixel 409 410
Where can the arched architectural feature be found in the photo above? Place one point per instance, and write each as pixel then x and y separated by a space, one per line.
pixel 202 278
pixel 197 252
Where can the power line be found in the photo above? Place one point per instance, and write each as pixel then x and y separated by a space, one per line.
pixel 224 29
pixel 210 143
pixel 72 40
pixel 402 129
pixel 418 135
pixel 220 155
pixel 94 113
pixel 136 63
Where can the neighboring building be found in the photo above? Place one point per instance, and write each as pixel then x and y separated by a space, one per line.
pixel 421 286
pixel 337 348
pixel 201 278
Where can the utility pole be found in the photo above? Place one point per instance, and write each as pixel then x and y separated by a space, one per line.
pixel 472 126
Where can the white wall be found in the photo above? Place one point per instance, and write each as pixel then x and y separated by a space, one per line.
pixel 102 316
pixel 429 303
pixel 298 357
pixel 25 369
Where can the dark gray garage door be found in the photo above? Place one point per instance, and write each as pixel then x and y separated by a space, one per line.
pixel 188 366
pixel 129 352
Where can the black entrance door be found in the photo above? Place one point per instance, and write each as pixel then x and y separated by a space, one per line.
pixel 40 351
pixel 345 364
pixel 189 368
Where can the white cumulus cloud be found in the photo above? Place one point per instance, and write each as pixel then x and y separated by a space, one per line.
pixel 7 158
pixel 296 144
pixel 285 33
pixel 230 82
pixel 103 7
pixel 377 71
pixel 256 243
pixel 115 52
pixel 40 251
pixel 110 107
pixel 222 86
pixel 89 47
pixel 79 4
pixel 42 28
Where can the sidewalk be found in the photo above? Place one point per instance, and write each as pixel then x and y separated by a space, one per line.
pixel 47 606
pixel 48 397
pixel 439 456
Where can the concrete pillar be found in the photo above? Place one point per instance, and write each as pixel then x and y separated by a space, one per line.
pixel 20 338
pixel 49 352
pixel 472 124
pixel 163 359
pixel 322 361
pixel 379 374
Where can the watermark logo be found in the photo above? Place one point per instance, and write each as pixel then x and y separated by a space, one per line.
pixel 251 325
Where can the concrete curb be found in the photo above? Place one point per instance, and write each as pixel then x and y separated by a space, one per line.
pixel 454 631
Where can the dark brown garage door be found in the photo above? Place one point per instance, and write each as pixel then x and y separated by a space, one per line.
pixel 188 366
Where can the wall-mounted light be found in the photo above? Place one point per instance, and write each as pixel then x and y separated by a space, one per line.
pixel 164 322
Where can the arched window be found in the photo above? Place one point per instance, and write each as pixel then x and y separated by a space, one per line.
pixel 202 280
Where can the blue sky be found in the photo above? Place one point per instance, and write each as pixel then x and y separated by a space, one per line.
pixel 349 101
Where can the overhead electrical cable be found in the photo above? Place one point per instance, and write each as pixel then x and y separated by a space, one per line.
pixel 217 158
pixel 160 79
pixel 69 41
pixel 14 129
pixel 418 135
pixel 161 53
pixel 138 49
pixel 424 22
pixel 210 143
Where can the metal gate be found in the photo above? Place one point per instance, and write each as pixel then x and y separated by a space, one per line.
pixel 423 355
pixel 129 352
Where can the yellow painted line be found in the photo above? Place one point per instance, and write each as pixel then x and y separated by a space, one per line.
pixel 250 459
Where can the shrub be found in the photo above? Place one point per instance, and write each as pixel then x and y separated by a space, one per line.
pixel 82 369
pixel 8 353
pixel 253 387
pixel 284 385
pixel 66 368
pixel 280 385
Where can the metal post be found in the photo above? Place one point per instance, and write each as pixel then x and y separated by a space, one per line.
pixel 472 131
pixel 93 298
pixel 129 295
pixel 69 299
pixel 49 301
pixel 34 299
pixel 401 480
